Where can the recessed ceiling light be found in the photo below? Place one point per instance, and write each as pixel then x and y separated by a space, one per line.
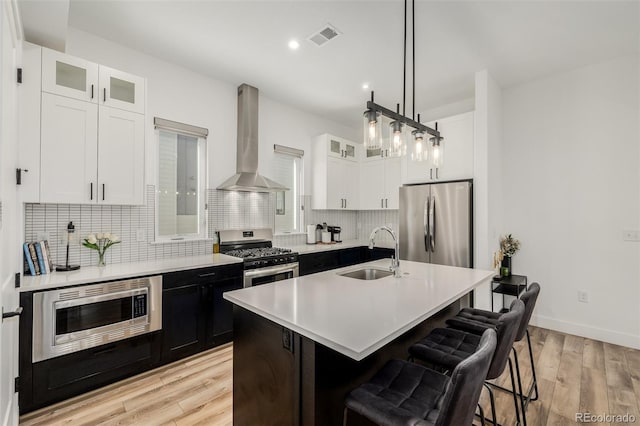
pixel 294 45
pixel 365 86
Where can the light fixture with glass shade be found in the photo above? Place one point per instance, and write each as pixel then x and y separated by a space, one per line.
pixel 401 126
pixel 420 151
pixel 372 128
pixel 437 151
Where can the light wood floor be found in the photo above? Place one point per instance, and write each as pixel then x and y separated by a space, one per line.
pixel 574 375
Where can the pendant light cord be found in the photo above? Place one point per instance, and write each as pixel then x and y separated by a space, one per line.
pixel 404 59
pixel 413 59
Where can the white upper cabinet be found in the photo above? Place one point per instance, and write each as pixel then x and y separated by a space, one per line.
pixel 457 144
pixel 341 148
pixel 76 78
pixel 379 182
pixel 335 173
pixel 121 90
pixel 69 76
pixel 120 157
pixel 88 140
pixel 68 150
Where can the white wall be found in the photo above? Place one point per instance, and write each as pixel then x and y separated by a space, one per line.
pixel 571 164
pixel 175 93
pixel 487 176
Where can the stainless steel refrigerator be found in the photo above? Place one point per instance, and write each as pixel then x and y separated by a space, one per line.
pixel 436 223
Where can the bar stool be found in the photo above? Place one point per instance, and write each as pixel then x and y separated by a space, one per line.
pixel 410 394
pixel 477 321
pixel 447 347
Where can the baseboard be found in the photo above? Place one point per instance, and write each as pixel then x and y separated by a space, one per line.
pixel 595 333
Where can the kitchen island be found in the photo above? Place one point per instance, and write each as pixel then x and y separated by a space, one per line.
pixel 302 344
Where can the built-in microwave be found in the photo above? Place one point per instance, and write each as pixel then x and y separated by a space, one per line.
pixel 75 318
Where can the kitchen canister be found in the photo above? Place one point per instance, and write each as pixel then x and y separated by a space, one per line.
pixel 311 234
pixel 326 237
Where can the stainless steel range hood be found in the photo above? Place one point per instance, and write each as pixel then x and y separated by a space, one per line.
pixel 247 177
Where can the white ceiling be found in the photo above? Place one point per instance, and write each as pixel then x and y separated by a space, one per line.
pixel 242 41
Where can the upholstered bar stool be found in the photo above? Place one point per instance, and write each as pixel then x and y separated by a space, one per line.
pixel 404 393
pixel 478 320
pixel 447 347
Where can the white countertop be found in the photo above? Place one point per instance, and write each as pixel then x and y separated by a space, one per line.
pixel 319 247
pixel 116 271
pixel 356 317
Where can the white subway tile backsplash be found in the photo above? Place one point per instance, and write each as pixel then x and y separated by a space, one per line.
pixel 225 210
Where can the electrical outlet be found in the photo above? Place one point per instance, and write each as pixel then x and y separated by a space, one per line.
pixel 631 235
pixel 583 296
pixel 43 235
pixel 141 236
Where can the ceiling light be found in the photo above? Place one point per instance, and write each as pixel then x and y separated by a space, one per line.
pixel 365 86
pixel 394 145
pixel 294 45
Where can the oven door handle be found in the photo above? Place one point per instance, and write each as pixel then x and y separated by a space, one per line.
pixel 99 298
pixel 263 272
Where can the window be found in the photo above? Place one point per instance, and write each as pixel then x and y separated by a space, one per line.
pixel 181 191
pixel 287 170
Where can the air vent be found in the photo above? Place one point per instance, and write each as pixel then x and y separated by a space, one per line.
pixel 69 295
pixel 94 291
pixel 324 35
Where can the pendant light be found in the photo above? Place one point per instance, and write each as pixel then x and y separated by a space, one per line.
pixel 437 150
pixel 401 129
pixel 372 128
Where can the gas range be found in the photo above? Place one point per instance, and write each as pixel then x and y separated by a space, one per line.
pixel 263 256
pixel 263 263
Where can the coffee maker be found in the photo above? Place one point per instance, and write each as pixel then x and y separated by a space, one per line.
pixel 335 233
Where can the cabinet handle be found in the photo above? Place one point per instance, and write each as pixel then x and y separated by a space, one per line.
pixel 91 195
pixel 436 173
pixel 209 274
pixel 386 203
pixel 386 152
pixel 92 91
pixel 104 95
pixel 345 203
pixel 103 192
pixel 15 313
pixel 381 202
pixel 430 173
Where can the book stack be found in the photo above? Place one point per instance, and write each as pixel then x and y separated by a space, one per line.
pixel 37 258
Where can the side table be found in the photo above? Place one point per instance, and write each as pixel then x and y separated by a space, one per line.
pixel 513 285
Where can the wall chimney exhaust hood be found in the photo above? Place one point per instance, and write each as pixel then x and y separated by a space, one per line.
pixel 247 177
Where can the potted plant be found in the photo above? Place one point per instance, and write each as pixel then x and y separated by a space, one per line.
pixel 508 246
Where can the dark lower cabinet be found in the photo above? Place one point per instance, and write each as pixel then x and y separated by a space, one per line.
pixel 311 263
pixel 195 316
pixel 182 322
pixel 66 376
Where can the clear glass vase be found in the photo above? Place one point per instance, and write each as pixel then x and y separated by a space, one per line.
pixel 101 261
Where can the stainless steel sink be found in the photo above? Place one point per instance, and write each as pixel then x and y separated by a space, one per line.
pixel 367 274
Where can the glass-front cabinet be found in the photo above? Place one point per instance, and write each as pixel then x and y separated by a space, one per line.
pixel 77 78
pixel 342 148
pixel 69 76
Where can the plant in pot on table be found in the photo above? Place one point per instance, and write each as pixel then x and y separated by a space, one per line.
pixel 508 247
pixel 100 242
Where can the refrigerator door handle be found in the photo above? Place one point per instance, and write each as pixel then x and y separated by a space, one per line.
pixel 426 225
pixel 432 224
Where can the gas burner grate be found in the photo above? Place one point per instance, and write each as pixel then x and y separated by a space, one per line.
pixel 256 253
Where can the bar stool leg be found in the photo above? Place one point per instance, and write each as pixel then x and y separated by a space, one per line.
pixel 521 395
pixel 533 368
pixel 344 416
pixel 515 398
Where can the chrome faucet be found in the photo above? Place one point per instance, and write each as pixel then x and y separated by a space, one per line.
pixel 395 260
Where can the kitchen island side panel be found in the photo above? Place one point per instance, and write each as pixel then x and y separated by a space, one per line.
pixel 274 386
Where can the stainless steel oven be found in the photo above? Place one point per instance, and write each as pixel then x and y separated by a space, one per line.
pixel 76 318
pixel 270 274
